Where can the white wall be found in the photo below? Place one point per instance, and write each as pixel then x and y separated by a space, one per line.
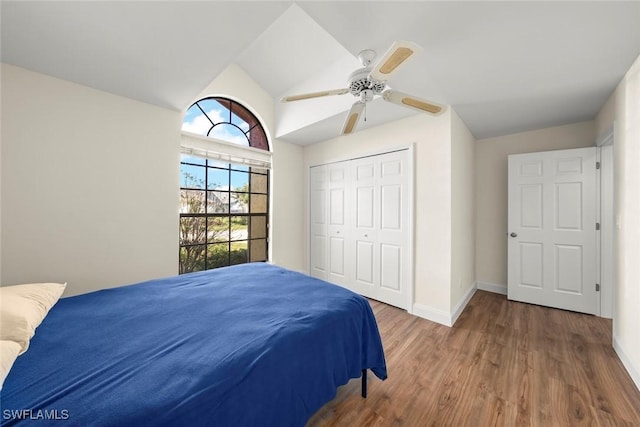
pixel 288 204
pixel 432 251
pixel 463 225
pixel 491 190
pixel 626 315
pixel 89 185
pixel 0 180
pixel 287 200
pixel 606 116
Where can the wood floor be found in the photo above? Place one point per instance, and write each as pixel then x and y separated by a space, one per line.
pixel 502 364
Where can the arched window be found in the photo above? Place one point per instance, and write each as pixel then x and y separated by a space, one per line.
pixel 227 120
pixel 224 200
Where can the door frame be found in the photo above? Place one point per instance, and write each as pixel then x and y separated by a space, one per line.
pixel 410 148
pixel 606 217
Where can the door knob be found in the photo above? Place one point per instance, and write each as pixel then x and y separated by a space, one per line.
pixel 514 234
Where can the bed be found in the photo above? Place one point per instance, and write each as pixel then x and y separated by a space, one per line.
pixel 248 345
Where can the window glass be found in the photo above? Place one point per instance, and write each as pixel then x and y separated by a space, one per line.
pixel 259 203
pixel 217 179
pixel 192 176
pixel 258 227
pixel 217 202
pixel 195 121
pixel 217 256
pixel 258 183
pixel 239 181
pixel 229 133
pixel 258 250
pixel 238 254
pixel 192 258
pixel 218 229
pixel 192 201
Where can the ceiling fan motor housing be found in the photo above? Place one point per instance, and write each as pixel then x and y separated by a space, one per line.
pixel 359 81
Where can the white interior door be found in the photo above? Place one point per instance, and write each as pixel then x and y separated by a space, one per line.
pixel 552 229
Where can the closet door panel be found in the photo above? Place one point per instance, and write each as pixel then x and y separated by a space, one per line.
pixel 366 216
pixel 318 222
pixel 337 228
pixel 393 237
pixel 391 206
pixel 364 207
pixel 391 167
pixel 391 257
pixel 336 206
pixel 364 263
pixel 318 261
pixel 336 251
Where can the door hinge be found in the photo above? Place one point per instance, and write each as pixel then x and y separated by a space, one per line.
pixel 597 226
pixel 597 165
pixel 597 287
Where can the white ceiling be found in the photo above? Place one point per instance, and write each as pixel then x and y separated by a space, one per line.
pixel 504 67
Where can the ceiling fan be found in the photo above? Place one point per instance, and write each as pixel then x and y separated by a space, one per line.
pixel 370 81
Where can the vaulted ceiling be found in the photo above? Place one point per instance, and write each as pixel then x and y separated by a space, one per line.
pixel 503 66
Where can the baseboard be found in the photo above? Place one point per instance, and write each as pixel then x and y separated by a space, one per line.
pixel 634 371
pixel 492 287
pixel 444 317
pixel 463 303
pixel 432 314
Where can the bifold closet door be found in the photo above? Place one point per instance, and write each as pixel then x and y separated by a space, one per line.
pixel 328 229
pixel 318 222
pixel 359 225
pixel 338 224
pixel 380 236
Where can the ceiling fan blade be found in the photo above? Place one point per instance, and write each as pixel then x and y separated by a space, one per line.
pixel 397 55
pixel 352 118
pixel 314 95
pixel 410 101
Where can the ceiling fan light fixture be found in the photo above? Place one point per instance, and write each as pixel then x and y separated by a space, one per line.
pixel 366 95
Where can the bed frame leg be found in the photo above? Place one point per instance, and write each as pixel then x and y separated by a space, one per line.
pixel 364 383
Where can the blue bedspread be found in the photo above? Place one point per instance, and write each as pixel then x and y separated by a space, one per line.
pixel 249 345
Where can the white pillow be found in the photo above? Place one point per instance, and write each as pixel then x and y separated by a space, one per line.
pixel 8 353
pixel 22 309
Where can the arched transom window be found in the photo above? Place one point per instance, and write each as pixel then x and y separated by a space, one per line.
pixel 227 120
